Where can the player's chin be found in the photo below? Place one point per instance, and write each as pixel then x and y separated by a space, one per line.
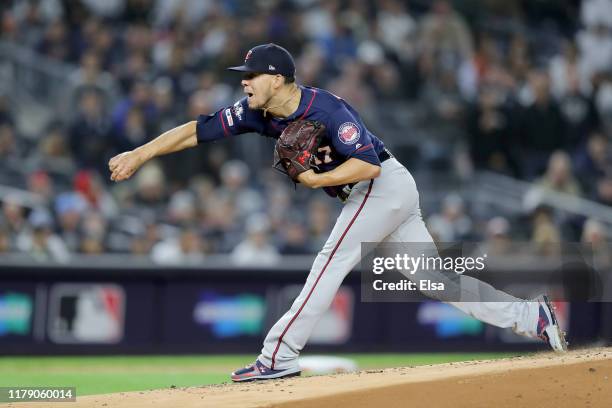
pixel 253 104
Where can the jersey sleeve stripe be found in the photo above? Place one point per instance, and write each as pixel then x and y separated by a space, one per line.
pixel 366 147
pixel 225 131
pixel 314 93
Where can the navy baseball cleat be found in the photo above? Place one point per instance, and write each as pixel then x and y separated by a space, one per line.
pixel 258 371
pixel 548 328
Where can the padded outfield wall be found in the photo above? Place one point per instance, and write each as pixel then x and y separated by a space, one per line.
pixel 111 310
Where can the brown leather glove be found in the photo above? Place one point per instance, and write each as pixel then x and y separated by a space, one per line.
pixel 296 148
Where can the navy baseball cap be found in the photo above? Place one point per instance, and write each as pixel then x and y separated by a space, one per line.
pixel 268 59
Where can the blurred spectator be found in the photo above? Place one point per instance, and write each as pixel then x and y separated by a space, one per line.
pixel 90 186
pixel 279 207
pixel 593 161
pixel 182 165
pixel 106 8
pixel 595 45
pixel 442 97
pixel 6 115
pixel 234 187
pixel 11 152
pixel 41 184
pixel 256 250
pixel 133 117
pixel 490 134
pixel 53 155
pixel 203 187
pixel 596 12
pixel 42 244
pixel 559 176
pixel 185 249
pixel 137 130
pixel 497 240
pixel 573 94
pixel 90 133
pixel 143 242
pixel 14 220
pixel 603 102
pixel 294 239
pixel 541 127
pixel 90 77
pixel 168 108
pixel 138 11
pixel 182 208
pixel 545 234
pixel 94 229
pixel 319 223
pixel 220 223
pixel 566 73
pixel 311 63
pixel 70 209
pixel 104 44
pixel 519 60
pixel 489 65
pixel 452 224
pixel 56 43
pixel 445 39
pixel 350 85
pixel 579 117
pixel 594 235
pixel 395 25
pixel 318 21
pixel 151 190
pixel 5 241
pixel 188 12
pixel 387 82
pixel 604 190
pixel 35 16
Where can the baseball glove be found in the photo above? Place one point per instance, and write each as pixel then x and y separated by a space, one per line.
pixel 296 148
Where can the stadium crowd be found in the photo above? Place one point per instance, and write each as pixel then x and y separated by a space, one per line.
pixel 519 88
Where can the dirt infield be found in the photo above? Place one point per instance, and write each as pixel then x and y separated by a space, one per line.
pixel 577 379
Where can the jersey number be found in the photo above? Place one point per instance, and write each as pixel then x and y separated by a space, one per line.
pixel 326 150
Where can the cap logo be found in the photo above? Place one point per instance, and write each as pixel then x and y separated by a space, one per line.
pixel 248 55
pixel 271 67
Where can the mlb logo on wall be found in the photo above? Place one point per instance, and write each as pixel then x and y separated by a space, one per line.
pixel 86 313
pixel 15 314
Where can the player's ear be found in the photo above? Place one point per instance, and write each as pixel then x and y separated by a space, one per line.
pixel 279 81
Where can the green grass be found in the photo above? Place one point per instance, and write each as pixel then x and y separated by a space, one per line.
pixel 101 375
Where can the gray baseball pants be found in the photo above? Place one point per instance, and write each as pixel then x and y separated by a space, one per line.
pixel 385 209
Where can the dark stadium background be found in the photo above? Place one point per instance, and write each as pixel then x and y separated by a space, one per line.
pixel 502 110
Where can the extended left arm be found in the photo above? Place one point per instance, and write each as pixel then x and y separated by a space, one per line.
pixel 351 171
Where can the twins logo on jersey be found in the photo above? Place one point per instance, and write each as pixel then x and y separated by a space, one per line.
pixel 348 133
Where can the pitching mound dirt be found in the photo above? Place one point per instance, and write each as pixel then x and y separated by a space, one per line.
pixel 576 379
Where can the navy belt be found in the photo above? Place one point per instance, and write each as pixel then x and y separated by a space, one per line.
pixel 384 155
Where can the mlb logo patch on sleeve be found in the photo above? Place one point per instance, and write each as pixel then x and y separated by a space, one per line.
pixel 348 133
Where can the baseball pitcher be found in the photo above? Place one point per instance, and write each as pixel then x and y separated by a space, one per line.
pixel 322 142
